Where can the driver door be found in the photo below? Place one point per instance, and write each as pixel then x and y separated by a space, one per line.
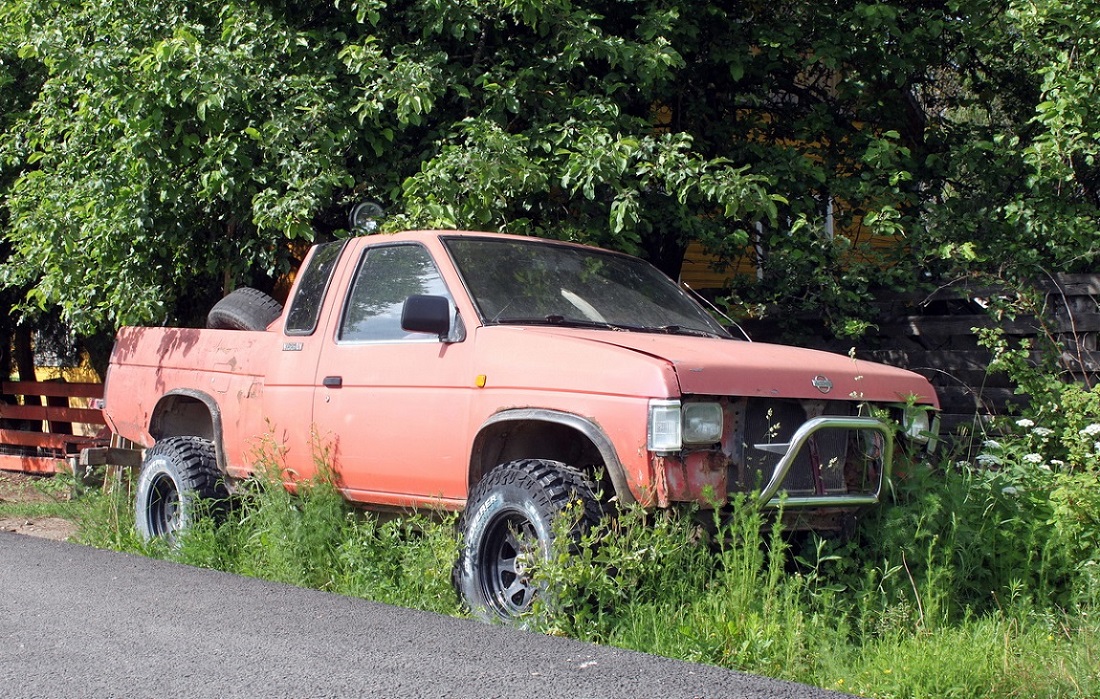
pixel 392 406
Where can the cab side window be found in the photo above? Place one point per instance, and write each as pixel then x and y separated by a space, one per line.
pixel 305 309
pixel 388 275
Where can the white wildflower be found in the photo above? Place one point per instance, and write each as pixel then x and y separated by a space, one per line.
pixel 1042 432
pixel 988 460
pixel 1009 490
pixel 1058 463
pixel 991 444
pixel 1092 430
pixel 1024 422
pixel 1033 458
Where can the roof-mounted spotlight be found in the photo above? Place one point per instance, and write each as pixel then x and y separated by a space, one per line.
pixel 365 218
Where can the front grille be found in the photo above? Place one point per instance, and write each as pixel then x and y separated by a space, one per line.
pixel 833 462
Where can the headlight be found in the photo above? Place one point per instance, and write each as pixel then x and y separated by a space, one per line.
pixel 672 425
pixel 702 423
pixel 663 431
pixel 916 424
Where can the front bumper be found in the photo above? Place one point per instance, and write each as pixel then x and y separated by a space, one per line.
pixel 797 454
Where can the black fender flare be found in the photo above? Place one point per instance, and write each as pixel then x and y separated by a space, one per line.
pixel 162 426
pixel 586 426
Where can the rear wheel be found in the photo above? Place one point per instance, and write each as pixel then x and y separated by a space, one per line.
pixel 509 524
pixel 178 477
pixel 244 309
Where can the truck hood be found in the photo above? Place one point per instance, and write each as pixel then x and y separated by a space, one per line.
pixel 714 366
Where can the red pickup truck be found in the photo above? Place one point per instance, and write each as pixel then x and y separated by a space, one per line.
pixel 504 376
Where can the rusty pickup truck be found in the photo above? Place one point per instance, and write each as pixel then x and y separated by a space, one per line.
pixel 506 377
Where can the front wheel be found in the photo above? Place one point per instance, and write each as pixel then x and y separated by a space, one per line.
pixel 509 521
pixel 178 475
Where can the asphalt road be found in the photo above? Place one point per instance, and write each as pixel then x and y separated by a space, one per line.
pixel 78 622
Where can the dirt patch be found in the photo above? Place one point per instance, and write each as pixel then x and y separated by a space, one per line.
pixel 21 487
pixel 45 527
pixel 24 488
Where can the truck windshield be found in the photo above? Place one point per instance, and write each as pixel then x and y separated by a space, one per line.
pixel 521 282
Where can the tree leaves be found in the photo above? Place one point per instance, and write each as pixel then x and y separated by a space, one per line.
pixel 154 156
pixel 156 148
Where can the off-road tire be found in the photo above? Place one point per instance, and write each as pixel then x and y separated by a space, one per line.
pixel 511 514
pixel 244 309
pixel 179 480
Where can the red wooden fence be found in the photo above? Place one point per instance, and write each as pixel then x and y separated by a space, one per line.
pixel 38 420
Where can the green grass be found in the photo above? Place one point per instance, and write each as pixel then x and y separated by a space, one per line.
pixel 993 655
pixel 312 539
pixel 869 621
pixel 315 540
pixel 53 500
pixel 32 510
pixel 896 611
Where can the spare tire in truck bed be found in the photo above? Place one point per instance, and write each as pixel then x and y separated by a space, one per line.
pixel 244 309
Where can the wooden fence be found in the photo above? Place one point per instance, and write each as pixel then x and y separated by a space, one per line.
pixel 45 424
pixel 938 339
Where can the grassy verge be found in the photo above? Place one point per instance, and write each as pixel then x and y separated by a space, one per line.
pixel 23 495
pixel 971 583
pixel 35 510
pixel 847 615
pixel 893 612
pixel 312 539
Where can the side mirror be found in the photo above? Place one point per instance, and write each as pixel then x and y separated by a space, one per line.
pixel 427 314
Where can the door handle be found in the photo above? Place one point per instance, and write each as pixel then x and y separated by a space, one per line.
pixel 333 381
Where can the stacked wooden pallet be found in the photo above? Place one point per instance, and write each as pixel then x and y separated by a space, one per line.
pixel 935 335
pixel 938 337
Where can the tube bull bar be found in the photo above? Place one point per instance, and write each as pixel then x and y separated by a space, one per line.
pixel 771 495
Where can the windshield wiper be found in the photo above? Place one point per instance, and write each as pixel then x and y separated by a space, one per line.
pixel 554 319
pixel 681 330
pixel 563 321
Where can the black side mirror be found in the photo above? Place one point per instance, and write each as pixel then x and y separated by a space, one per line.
pixel 427 314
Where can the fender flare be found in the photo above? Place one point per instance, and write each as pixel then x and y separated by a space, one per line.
pixel 585 426
pixel 160 430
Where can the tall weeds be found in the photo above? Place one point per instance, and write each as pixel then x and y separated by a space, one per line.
pixel 979 579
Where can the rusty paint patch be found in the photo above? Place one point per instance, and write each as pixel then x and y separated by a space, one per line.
pixel 699 477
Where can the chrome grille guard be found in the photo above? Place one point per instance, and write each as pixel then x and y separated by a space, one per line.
pixel 772 497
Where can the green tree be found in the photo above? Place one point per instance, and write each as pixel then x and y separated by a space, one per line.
pixel 18 84
pixel 176 148
pixel 1019 180
pixel 1058 209
pixel 157 127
